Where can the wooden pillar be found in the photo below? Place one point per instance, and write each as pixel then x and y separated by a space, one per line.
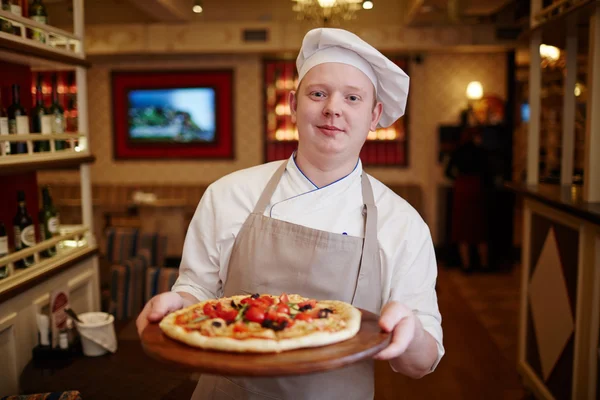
pixel 568 129
pixel 535 85
pixel 591 187
pixel 87 215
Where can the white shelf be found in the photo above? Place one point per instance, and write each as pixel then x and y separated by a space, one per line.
pixel 61 47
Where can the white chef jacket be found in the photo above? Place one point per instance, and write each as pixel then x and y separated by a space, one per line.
pixel 409 269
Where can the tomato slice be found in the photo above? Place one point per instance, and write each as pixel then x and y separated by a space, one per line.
pixel 255 314
pixel 209 310
pixel 283 308
pixel 304 317
pixel 268 300
pixel 228 315
pixel 272 314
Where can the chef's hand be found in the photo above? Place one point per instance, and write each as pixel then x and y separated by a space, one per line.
pixel 157 308
pixel 404 325
pixel 412 350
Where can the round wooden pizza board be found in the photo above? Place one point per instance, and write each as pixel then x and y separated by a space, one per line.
pixel 369 340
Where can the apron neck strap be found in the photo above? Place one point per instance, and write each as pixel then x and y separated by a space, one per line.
pixel 370 248
pixel 367 190
pixel 266 195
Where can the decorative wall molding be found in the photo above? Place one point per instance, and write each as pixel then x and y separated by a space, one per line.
pixel 222 38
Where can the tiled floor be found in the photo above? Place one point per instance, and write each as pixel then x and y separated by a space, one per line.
pixel 480 316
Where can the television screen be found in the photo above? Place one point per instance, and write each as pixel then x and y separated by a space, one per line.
pixel 172 115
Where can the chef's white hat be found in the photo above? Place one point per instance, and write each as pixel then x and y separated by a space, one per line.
pixel 324 45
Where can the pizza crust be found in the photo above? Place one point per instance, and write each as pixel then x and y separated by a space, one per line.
pixel 349 314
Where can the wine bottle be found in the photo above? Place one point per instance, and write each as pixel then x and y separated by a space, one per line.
pixel 4 127
pixel 14 6
pixel 71 115
pixel 3 249
pixel 57 113
pixel 18 122
pixel 6 25
pixel 41 120
pixel 24 231
pixel 38 13
pixel 49 220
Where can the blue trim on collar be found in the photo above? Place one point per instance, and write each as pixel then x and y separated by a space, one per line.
pixel 317 188
pixel 310 191
pixel 294 160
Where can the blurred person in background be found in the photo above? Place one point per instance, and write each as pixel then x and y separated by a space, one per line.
pixel 468 168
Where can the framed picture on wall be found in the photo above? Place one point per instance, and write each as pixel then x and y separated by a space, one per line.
pixel 173 115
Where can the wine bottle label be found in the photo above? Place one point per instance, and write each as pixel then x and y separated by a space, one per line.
pixel 4 126
pixel 58 123
pixel 28 236
pixel 4 131
pixel 12 126
pixel 3 245
pixel 40 18
pixel 16 9
pixel 22 125
pixel 38 34
pixel 53 224
pixel 46 122
pixel 18 244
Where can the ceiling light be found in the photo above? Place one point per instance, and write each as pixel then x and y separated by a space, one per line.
pixel 367 5
pixel 550 52
pixel 197 8
pixel 474 90
pixel 326 12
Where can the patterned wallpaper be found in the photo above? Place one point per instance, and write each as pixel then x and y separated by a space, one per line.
pixel 436 97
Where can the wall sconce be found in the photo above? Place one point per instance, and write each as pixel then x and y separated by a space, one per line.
pixel 550 52
pixel 367 5
pixel 197 8
pixel 474 90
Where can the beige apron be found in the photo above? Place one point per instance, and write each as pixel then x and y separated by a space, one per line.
pixel 273 256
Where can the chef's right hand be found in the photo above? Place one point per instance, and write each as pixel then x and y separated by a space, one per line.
pixel 157 308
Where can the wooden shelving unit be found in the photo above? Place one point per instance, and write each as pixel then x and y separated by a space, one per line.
pixel 61 48
pixel 25 291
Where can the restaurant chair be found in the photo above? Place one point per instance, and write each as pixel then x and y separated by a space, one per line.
pixel 128 275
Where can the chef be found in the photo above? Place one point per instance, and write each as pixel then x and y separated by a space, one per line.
pixel 318 225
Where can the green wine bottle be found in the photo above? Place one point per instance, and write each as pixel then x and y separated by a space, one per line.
pixel 18 121
pixel 4 127
pixel 24 231
pixel 57 113
pixel 38 13
pixel 6 25
pixel 49 220
pixel 41 120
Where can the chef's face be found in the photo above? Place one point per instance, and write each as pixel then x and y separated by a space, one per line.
pixel 334 109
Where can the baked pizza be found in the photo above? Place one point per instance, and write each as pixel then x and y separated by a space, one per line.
pixel 262 323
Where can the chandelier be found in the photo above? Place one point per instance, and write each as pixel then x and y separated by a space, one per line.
pixel 326 12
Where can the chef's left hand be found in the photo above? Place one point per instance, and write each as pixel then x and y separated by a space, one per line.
pixel 404 326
